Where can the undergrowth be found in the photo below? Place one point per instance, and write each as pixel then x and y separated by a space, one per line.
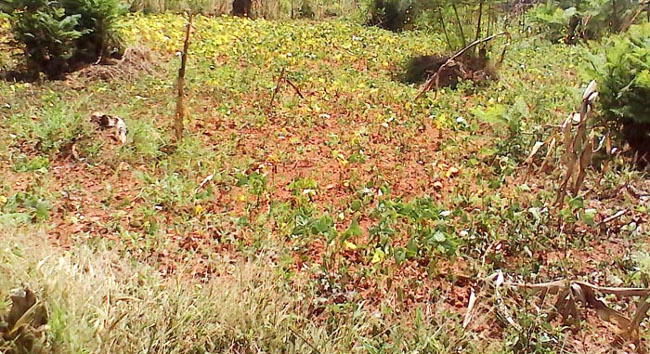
pixel 342 214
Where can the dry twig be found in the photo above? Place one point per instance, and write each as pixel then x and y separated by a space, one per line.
pixel 570 293
pixel 282 78
pixel 180 109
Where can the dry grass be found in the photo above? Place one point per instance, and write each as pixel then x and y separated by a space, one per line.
pixel 99 303
pixel 134 62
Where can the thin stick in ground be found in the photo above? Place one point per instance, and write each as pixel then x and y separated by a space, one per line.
pixel 282 78
pixel 444 29
pixel 480 17
pixel 180 83
pixel 277 88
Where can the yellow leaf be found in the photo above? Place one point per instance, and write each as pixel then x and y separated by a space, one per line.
pixel 378 257
pixel 349 245
pixel 453 171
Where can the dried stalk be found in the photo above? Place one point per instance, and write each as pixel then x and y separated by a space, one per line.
pixel 282 78
pixel 277 88
pixel 642 6
pixel 578 147
pixel 480 17
pixel 571 292
pixel 460 24
pixel 180 83
pixel 548 156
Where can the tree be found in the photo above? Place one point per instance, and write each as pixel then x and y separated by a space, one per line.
pixel 58 36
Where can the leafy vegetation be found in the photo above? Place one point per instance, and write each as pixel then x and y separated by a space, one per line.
pixel 268 9
pixel 393 15
pixel 570 21
pixel 622 67
pixel 56 36
pixel 312 204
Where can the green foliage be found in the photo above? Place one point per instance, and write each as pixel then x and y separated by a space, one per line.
pixel 59 129
pixel 306 10
pixel 622 69
pixel 571 20
pixel 24 207
pixel 392 15
pixel 46 33
pixel 378 204
pixel 23 164
pixel 552 21
pixel 98 19
pixel 425 221
pixel 56 36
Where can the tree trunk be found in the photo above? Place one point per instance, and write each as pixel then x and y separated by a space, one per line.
pixel 460 25
pixel 444 28
pixel 480 17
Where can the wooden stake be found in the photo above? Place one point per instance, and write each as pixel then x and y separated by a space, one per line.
pixel 180 83
pixel 460 24
pixel 277 88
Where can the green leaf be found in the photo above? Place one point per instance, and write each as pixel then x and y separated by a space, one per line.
pixel 353 230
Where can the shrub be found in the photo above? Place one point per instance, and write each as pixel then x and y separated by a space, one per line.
pixel 392 15
pixel 552 21
pixel 98 20
pixel 622 70
pixel 306 10
pixel 572 20
pixel 57 36
pixel 46 34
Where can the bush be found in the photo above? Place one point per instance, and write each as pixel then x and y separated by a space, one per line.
pixel 58 36
pixel 98 20
pixel 573 20
pixel 306 10
pixel 46 34
pixel 622 70
pixel 392 15
pixel 552 21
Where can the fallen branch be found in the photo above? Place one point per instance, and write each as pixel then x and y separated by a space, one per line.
pixel 435 79
pixel 642 6
pixel 295 88
pixel 313 347
pixel 570 293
